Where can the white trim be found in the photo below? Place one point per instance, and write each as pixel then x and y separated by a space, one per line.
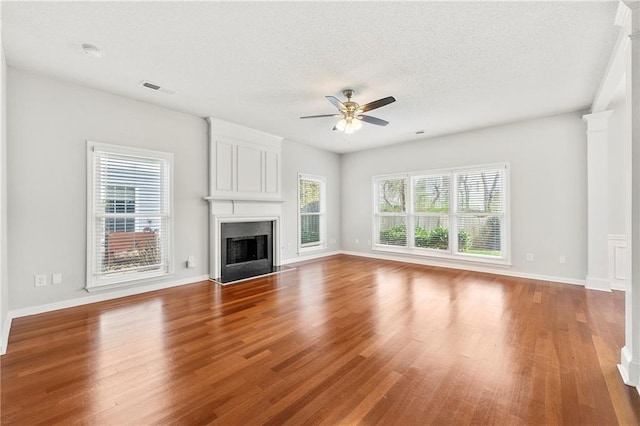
pixel 600 284
pixel 629 369
pixel 313 256
pixel 442 254
pixel 467 267
pixel 93 146
pixel 618 262
pixel 101 297
pixel 597 121
pixel 4 342
pixel 616 67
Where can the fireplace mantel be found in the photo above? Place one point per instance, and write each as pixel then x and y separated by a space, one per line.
pixel 244 183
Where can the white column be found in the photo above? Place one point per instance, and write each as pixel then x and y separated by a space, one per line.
pixel 597 201
pixel 630 355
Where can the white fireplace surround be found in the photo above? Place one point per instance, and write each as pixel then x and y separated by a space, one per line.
pixel 215 226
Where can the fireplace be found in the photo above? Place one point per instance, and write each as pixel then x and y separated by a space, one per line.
pixel 245 181
pixel 246 250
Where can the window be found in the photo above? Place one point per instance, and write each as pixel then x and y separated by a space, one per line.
pixel 458 213
pixel 129 214
pixel 312 216
pixel 392 211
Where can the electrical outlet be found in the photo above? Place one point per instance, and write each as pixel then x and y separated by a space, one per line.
pixel 39 280
pixel 563 259
pixel 191 262
pixel 56 278
pixel 529 257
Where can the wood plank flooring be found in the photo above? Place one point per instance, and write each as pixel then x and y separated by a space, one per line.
pixel 338 341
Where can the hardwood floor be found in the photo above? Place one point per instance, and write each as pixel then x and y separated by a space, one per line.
pixel 343 340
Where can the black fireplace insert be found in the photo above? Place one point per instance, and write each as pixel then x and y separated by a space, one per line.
pixel 246 250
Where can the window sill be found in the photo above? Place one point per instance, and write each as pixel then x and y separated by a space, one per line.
pixel 311 249
pixel 138 279
pixel 436 255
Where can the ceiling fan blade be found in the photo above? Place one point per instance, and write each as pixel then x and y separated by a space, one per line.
pixel 336 102
pixel 321 115
pixel 377 104
pixel 373 120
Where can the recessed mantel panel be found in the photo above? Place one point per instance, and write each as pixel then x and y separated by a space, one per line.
pixel 272 176
pixel 245 162
pixel 223 167
pixel 249 169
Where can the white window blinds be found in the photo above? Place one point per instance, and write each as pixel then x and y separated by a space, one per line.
pixel 446 213
pixel 130 221
pixel 480 211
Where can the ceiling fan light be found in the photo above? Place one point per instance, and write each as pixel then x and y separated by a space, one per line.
pixel 341 125
pixel 357 124
pixel 349 128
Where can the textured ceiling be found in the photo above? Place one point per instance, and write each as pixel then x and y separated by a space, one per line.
pixel 452 66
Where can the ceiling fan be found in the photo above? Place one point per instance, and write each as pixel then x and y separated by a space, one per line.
pixel 351 112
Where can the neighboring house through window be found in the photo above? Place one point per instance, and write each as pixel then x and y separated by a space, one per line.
pixel 311 213
pixel 129 221
pixel 120 199
pixel 456 213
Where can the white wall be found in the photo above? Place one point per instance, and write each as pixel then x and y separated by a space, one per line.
pixel 548 188
pixel 4 276
pixel 49 122
pixel 298 158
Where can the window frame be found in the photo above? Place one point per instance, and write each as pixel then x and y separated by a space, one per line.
pixel 95 280
pixel 453 214
pixel 322 215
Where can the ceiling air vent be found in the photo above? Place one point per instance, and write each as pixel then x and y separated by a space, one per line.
pixel 157 87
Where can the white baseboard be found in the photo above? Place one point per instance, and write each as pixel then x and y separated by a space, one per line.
pixel 629 369
pixel 100 297
pixel 4 342
pixel 600 284
pixel 468 267
pixel 310 257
